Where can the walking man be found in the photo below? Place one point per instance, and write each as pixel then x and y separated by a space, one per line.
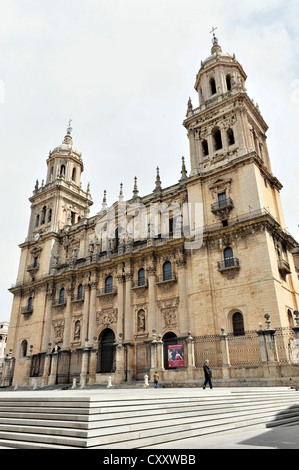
pixel 208 374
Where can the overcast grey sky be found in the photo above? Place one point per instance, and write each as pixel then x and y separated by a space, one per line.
pixel 123 71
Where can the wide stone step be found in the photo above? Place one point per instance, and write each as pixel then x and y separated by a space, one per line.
pixel 129 417
pixel 130 413
pixel 111 422
pixel 98 430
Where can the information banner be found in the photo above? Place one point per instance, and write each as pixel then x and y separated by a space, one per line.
pixel 176 356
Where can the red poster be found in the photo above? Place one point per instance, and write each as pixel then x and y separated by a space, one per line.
pixel 176 356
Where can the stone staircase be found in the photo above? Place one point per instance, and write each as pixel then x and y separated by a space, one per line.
pixel 135 419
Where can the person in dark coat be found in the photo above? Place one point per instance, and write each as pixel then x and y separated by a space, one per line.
pixel 208 374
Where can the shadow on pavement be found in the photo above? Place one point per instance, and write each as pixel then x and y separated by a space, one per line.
pixel 283 431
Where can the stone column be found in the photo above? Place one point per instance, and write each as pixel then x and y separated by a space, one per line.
pixel 262 344
pixel 120 305
pixel 92 326
pixel 26 376
pixel 190 352
pixel 270 340
pixel 152 316
pixel 67 324
pixel 242 136
pixel 129 320
pixel 160 354
pixel 224 140
pixel 154 354
pixel 120 366
pixel 54 365
pixel 193 155
pixel 47 322
pixel 184 318
pixel 84 365
pixel 85 313
pixel 46 372
pixel 92 364
pixel 224 349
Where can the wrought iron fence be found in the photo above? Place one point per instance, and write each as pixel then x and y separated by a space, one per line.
pixel 207 347
pixel 244 350
pixel 284 343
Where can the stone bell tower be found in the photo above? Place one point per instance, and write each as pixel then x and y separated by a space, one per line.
pixel 244 235
pixel 226 128
pixel 56 205
pixel 227 124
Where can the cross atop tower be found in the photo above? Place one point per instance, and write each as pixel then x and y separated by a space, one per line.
pixel 69 129
pixel 214 37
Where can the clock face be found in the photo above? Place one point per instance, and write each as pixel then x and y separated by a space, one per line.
pixel 36 237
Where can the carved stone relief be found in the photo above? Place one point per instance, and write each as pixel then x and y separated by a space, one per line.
pixel 107 317
pixel 58 326
pixel 169 311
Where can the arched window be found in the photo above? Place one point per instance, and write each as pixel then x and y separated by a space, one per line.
pixel 217 138
pixel 74 174
pixel 37 221
pixel 290 318
pixel 29 304
pixel 43 218
pixel 23 348
pixel 213 86
pixel 205 148
pixel 62 171
pixel 230 137
pixel 167 271
pixel 141 277
pixel 238 324
pixel 61 295
pixel 50 215
pixel 228 257
pixel 108 284
pixel 80 292
pixel 106 352
pixel 228 82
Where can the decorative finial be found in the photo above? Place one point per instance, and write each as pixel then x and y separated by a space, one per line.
pixel 158 187
pixel 121 194
pixel 189 108
pixel 104 204
pixel 268 322
pixel 135 192
pixel 69 129
pixel 216 48
pixel 183 171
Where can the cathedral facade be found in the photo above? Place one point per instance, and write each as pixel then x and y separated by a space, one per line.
pixel 161 281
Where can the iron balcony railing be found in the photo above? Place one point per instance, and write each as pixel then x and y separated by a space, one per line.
pixel 283 266
pixel 139 283
pixel 166 277
pixel 221 205
pixel 33 267
pixel 107 290
pixel 27 309
pixel 229 263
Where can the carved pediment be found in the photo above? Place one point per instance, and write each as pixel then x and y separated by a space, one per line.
pixel 220 185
